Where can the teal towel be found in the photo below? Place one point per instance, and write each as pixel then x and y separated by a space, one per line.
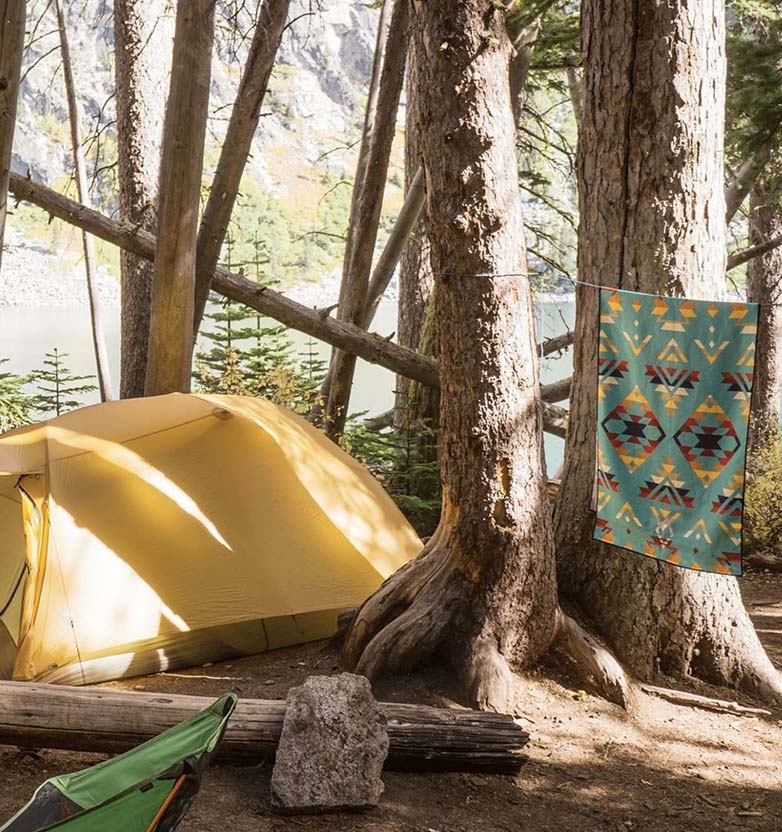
pixel 674 391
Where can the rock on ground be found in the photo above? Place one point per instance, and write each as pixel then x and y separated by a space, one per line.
pixel 332 749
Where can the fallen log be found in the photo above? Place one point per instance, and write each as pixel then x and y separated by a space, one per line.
pixel 421 738
pixel 138 241
pixel 372 348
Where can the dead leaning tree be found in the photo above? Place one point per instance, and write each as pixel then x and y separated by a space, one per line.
pixel 370 111
pixel 80 170
pixel 371 347
pixel 371 182
pixel 421 738
pixel 12 22
pixel 235 151
pixel 181 165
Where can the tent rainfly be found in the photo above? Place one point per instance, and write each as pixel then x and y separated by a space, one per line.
pixel 147 534
pixel 147 789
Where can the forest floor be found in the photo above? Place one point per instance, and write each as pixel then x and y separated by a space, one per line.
pixel 591 766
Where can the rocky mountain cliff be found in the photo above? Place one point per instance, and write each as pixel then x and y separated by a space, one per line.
pixel 315 97
pixel 297 187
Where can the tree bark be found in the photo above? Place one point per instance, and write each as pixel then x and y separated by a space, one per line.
pixel 236 147
pixel 181 166
pixel 80 172
pixel 369 346
pixel 12 24
pixel 764 286
pixel 415 270
pixel 483 591
pixel 523 42
pixel 143 31
pixel 653 220
pixel 355 285
pixel 421 738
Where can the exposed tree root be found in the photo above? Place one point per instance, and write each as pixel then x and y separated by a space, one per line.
pixel 679 697
pixel 413 614
pixel 594 661
pixel 492 685
pixel 426 608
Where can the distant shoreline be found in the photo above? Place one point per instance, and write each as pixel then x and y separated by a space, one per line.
pixel 30 279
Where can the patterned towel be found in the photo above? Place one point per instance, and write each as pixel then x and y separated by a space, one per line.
pixel 674 389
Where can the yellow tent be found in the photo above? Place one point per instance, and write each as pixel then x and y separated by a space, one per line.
pixel 148 534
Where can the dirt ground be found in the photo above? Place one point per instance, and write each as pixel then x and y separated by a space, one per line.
pixel 591 767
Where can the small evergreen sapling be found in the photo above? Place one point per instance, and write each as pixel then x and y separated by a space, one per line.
pixel 59 390
pixel 220 369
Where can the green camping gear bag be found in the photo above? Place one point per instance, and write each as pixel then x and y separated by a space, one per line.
pixel 147 789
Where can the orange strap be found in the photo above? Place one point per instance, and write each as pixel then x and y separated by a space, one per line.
pixel 166 803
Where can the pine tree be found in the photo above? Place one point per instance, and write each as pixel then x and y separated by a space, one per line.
pixel 268 361
pixel 312 367
pixel 16 405
pixel 250 357
pixel 221 369
pixel 58 388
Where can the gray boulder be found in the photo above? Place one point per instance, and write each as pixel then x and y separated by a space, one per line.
pixel 332 749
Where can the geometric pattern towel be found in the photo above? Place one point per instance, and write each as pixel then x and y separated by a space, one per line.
pixel 674 390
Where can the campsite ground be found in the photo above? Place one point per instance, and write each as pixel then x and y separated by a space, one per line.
pixel 591 767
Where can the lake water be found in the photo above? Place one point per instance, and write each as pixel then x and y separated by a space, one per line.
pixel 27 333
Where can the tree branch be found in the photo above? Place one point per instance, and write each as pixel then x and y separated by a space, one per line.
pixel 372 348
pixel 236 147
pixel 740 187
pixel 751 252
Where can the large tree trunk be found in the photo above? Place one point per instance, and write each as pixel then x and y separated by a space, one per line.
pixel 181 165
pixel 11 50
pixel 355 285
pixel 236 147
pixel 483 590
pixel 415 270
pixel 143 31
pixel 764 286
pixel 652 219
pixel 80 171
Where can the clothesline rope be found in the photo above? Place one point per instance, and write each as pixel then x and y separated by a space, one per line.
pixel 573 280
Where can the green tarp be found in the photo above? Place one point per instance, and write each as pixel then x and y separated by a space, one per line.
pixel 127 793
pixel 674 392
